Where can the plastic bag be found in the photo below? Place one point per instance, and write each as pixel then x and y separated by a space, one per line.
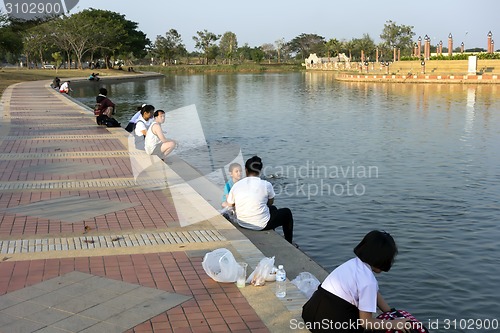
pixel 307 283
pixel 220 265
pixel 261 272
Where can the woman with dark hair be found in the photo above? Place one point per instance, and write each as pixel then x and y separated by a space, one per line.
pixel 142 124
pixel 349 296
pixel 253 200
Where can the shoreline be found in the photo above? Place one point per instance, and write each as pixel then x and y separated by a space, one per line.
pixel 420 78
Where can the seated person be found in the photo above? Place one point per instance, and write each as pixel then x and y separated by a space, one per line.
pixel 142 125
pixel 131 124
pixel 56 83
pixel 104 106
pixel 94 76
pixel 253 200
pixel 155 142
pixel 235 175
pixel 64 88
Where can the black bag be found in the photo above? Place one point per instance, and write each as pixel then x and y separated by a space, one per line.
pixel 111 122
pixel 130 127
pixel 106 121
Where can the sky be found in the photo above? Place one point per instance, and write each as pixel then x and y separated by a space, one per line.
pixel 257 21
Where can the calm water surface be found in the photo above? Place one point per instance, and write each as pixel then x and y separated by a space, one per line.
pixel 419 161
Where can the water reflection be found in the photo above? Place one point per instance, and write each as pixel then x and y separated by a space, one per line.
pixel 469 116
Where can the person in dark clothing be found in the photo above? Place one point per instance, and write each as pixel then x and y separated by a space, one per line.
pixel 56 83
pixel 104 106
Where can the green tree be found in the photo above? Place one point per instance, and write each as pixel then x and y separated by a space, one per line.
pixel 348 46
pixel 86 32
pixel 305 44
pixel 36 42
pixel 205 42
pixel 332 47
pixel 399 36
pixel 245 52
pixel 169 47
pixel 121 38
pixel 212 53
pixel 58 58
pixel 257 54
pixel 365 44
pixel 11 41
pixel 228 46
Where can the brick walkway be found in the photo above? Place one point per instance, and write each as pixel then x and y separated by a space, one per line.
pixel 69 202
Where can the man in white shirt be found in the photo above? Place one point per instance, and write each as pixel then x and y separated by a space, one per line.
pixel 253 200
pixel 156 143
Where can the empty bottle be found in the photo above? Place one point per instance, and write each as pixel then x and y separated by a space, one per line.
pixel 280 282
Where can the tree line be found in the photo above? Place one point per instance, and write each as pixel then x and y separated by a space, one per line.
pixel 94 35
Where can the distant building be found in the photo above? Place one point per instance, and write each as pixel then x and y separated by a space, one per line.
pixel 339 62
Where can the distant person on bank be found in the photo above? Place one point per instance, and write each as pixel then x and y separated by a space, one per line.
pixel 253 200
pixel 64 88
pixel 155 142
pixel 56 83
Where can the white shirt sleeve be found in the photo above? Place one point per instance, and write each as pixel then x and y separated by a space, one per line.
pixel 139 127
pixel 368 297
pixel 135 117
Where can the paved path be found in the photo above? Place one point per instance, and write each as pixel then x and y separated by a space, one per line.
pixel 87 245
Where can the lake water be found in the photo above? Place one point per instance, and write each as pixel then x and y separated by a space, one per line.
pixel 419 161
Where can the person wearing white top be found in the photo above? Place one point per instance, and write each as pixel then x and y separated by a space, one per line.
pixel 131 124
pixel 142 125
pixel 253 200
pixel 64 88
pixel 348 298
pixel 156 143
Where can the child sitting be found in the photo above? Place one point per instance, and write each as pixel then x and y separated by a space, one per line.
pixel 235 174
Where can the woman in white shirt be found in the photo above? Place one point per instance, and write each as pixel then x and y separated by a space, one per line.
pixel 142 125
pixel 349 296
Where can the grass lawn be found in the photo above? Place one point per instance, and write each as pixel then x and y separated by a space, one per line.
pixel 10 76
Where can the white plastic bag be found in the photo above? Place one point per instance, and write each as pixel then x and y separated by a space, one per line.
pixel 307 283
pixel 220 265
pixel 261 272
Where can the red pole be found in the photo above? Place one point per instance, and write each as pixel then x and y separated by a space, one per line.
pixel 450 45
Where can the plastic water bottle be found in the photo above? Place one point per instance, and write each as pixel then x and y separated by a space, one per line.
pixel 280 282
